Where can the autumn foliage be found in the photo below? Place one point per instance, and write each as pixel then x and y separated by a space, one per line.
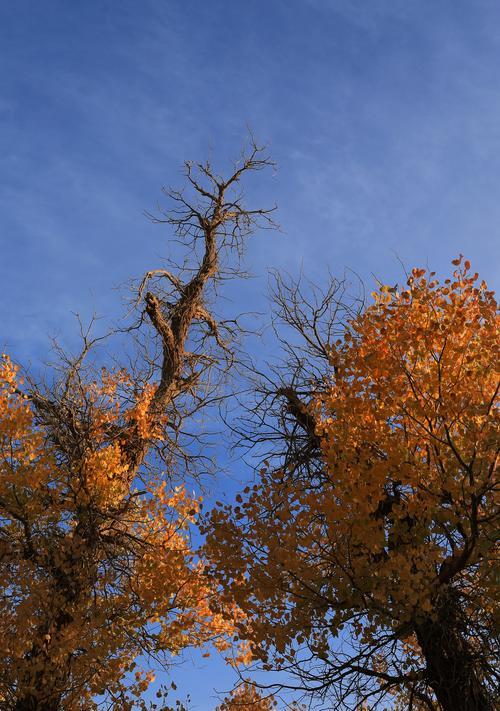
pixel 95 568
pixel 247 698
pixel 361 560
pixel 376 578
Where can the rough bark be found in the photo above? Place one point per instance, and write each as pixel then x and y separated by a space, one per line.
pixel 452 669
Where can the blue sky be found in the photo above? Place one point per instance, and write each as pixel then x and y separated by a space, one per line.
pixel 383 117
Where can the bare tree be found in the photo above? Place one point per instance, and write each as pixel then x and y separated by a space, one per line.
pixel 274 423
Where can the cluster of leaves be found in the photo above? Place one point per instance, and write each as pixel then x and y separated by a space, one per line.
pixel 95 567
pixel 247 698
pixel 378 575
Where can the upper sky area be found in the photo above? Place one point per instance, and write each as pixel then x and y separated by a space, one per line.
pixel 383 117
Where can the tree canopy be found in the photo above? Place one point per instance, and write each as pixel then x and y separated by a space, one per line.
pixel 374 575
